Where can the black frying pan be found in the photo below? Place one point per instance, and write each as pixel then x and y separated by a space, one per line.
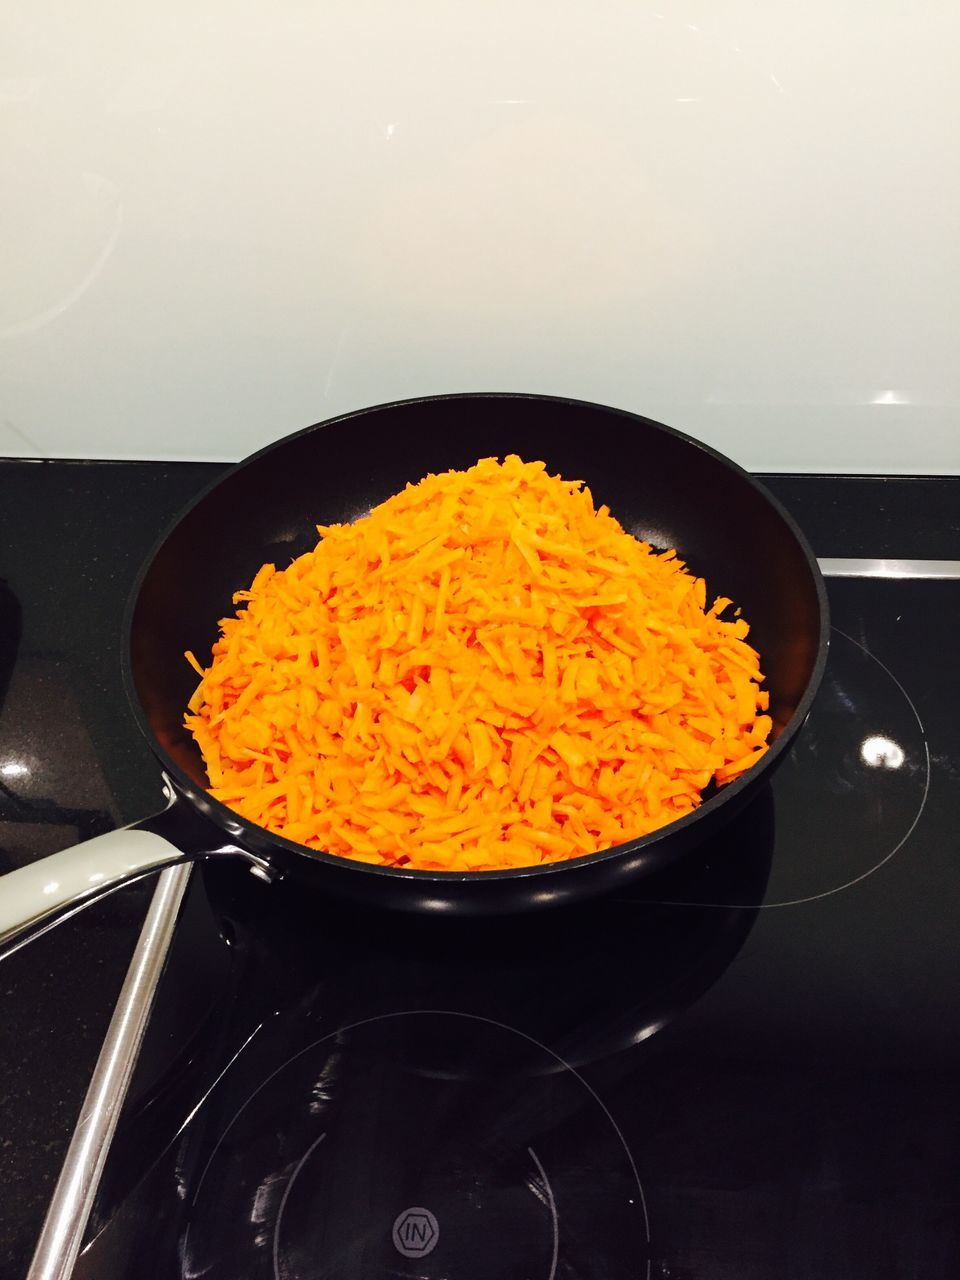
pixel 661 485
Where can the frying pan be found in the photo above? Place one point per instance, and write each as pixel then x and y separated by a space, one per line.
pixel 663 487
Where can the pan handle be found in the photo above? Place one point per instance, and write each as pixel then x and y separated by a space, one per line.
pixel 35 898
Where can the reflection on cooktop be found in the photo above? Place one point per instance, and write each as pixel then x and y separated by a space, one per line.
pixel 588 982
pixel 520 1173
pixel 618 968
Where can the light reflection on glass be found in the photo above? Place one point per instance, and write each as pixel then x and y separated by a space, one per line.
pixel 890 397
pixel 264 1198
pixel 881 753
pixel 646 1032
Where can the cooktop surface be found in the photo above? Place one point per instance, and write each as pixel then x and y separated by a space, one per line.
pixel 744 1069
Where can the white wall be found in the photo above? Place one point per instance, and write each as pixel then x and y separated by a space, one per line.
pixel 222 222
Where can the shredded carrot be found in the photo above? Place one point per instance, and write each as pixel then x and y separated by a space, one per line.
pixel 484 672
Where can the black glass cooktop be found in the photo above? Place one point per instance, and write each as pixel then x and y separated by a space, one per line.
pixel 745 1069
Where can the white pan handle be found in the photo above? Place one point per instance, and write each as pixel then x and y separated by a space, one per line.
pixel 34 898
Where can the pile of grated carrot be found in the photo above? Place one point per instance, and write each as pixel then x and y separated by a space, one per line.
pixel 484 672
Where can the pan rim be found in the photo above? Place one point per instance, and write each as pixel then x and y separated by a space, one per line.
pixel 223 815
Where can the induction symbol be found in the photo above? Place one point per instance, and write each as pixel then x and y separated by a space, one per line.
pixel 416 1233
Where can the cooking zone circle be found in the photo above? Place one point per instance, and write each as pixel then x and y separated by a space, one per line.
pixel 863 754
pixel 864 745
pixel 359 1158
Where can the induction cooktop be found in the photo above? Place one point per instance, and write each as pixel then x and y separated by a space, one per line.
pixel 744 1068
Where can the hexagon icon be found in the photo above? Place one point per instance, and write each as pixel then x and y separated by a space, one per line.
pixel 416 1232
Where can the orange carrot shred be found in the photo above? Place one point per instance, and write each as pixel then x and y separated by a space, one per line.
pixel 194 663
